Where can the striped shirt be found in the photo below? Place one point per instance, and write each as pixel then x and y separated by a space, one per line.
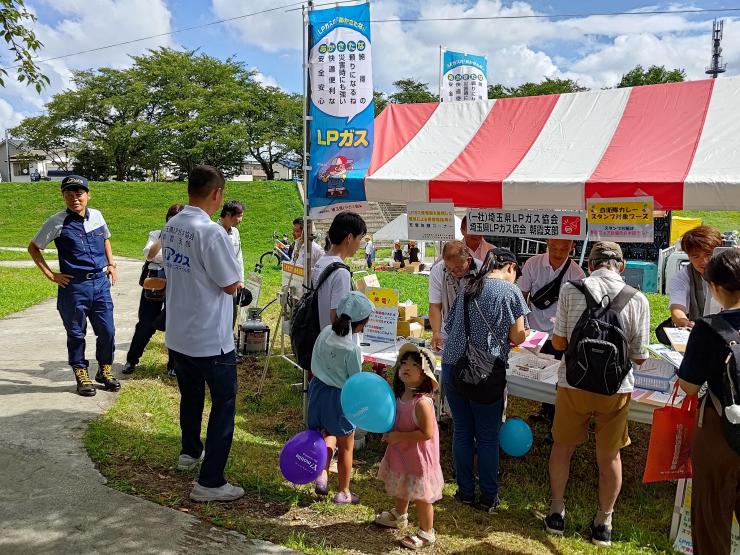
pixel 635 318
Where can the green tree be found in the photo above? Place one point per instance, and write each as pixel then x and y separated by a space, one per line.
pixel 272 125
pixel 48 135
pixel 380 102
pixel 651 76
pixel 547 86
pixel 15 21
pixel 197 102
pixel 411 91
pixel 93 164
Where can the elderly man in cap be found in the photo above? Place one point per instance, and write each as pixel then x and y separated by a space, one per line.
pixel 574 408
pixel 87 271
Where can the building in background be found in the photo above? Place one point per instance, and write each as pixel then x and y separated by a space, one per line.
pixel 28 165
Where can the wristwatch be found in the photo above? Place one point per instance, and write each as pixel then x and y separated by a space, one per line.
pixel 114 265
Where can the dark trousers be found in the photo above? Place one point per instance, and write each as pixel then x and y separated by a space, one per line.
pixel 476 429
pixel 193 373
pixel 715 494
pixel 148 312
pixel 78 301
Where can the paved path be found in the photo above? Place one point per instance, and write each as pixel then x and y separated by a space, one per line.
pixel 52 499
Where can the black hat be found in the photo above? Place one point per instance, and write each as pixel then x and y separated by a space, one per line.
pixel 503 256
pixel 75 182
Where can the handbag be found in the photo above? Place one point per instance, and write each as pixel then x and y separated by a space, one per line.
pixel 479 375
pixel 548 295
pixel 669 452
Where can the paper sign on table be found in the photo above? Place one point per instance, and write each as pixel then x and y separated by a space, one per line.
pixel 534 341
pixel 678 337
pixel 381 327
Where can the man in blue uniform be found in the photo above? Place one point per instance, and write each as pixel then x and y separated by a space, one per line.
pixel 86 264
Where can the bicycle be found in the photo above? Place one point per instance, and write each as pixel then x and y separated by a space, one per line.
pixel 279 252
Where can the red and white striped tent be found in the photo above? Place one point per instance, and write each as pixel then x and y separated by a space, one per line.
pixel 679 143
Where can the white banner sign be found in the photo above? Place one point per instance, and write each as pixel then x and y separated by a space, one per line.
pixel 433 221
pixel 463 76
pixel 536 224
pixel 623 220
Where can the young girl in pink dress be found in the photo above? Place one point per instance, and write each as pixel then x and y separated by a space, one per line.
pixel 410 467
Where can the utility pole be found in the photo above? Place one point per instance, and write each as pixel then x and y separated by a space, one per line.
pixel 7 155
pixel 716 66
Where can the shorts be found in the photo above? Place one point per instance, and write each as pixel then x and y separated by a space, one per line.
pixel 574 409
pixel 325 410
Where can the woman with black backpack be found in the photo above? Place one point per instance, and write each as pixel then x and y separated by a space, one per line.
pixel 485 319
pixel 712 357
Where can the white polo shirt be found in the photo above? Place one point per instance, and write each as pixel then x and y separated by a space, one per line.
pixel 536 273
pixel 300 256
pixel 199 261
pixel 236 242
pixel 336 286
pixel 156 263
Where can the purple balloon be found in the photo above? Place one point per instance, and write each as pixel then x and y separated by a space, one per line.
pixel 303 457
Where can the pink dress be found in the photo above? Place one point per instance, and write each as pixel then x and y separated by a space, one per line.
pixel 411 470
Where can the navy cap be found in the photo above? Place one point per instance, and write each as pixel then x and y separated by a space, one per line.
pixel 75 182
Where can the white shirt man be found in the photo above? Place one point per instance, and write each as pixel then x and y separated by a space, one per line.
pixel 476 244
pixel 447 278
pixel 199 262
pixel 542 269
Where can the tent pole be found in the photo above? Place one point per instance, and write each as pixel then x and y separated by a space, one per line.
pixel 583 250
pixel 307 237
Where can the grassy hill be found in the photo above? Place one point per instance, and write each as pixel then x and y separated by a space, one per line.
pixel 133 209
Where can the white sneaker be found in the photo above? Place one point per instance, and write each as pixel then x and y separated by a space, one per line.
pixel 227 492
pixel 186 462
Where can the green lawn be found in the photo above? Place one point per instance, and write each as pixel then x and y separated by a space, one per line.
pixel 21 288
pixel 724 220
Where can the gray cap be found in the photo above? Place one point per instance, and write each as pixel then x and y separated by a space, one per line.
pixel 606 250
pixel 355 305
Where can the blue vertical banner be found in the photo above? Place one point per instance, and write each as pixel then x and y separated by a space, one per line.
pixel 341 109
pixel 464 77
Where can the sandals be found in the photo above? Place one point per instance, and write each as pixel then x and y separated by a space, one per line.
pixel 392 519
pixel 341 498
pixel 419 540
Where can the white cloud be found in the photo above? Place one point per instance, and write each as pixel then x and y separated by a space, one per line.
pixel 593 50
pixel 265 80
pixel 84 25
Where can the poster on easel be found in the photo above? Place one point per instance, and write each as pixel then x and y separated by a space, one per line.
pixel 381 328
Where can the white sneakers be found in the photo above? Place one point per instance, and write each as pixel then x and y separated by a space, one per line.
pixel 186 462
pixel 227 492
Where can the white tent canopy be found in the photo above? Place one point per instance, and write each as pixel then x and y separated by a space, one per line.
pixel 398 229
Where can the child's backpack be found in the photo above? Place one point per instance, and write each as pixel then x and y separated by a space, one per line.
pixel 729 395
pixel 304 323
pixel 597 358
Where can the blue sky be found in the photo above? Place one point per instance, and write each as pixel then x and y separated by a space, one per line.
pixel 595 51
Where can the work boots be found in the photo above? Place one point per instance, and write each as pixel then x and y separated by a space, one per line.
pixel 105 377
pixel 85 386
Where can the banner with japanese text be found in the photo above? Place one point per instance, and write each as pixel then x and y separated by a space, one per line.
pixel 464 77
pixel 533 224
pixel 341 109
pixel 623 220
pixel 431 221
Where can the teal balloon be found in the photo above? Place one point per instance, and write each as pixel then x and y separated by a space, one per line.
pixel 368 402
pixel 515 437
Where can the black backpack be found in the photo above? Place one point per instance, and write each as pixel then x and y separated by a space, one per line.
pixel 304 323
pixel 729 396
pixel 597 358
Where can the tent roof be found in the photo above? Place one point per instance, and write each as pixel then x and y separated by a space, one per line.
pixel 398 228
pixel 677 142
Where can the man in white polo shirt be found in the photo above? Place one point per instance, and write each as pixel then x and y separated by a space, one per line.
pixel 202 275
pixel 542 276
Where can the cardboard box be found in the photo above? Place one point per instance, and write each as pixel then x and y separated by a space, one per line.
pixel 364 282
pixel 408 311
pixel 409 329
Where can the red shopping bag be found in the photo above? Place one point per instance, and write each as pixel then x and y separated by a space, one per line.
pixel 669 452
